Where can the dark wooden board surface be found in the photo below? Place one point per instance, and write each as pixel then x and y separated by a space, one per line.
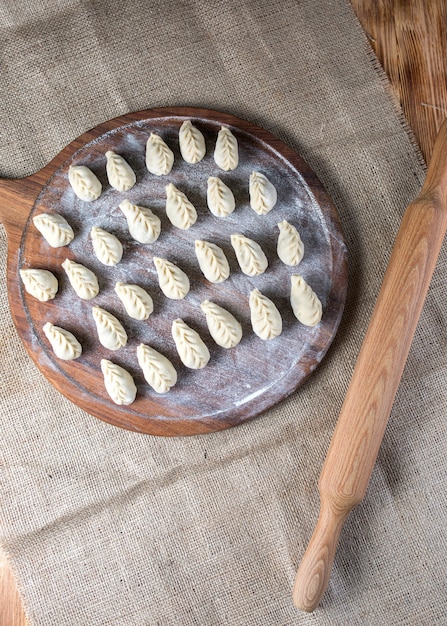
pixel 237 384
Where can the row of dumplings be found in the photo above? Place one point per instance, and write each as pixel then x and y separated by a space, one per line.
pixel 159 161
pixel 212 260
pixel 145 227
pixel 158 371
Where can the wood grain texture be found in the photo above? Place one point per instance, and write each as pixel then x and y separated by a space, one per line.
pixel 418 78
pixel 11 607
pixel 410 41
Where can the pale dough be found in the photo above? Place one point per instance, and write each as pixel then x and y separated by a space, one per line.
pixel 173 281
pixel 305 303
pixel 157 369
pixel 290 248
pixel 265 317
pixel 220 198
pixel 65 345
pixel 118 382
pixel 42 284
pixel 212 261
pixel 250 255
pixel 144 226
pixel 54 228
pixel 263 194
pixel 223 326
pixel 191 349
pixel 121 176
pixel 84 183
pixel 83 280
pixel 111 333
pixel 107 247
pixel 137 302
pixel 159 156
pixel 180 211
pixel 191 142
pixel 226 152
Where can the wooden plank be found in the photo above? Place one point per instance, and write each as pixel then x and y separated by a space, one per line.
pixel 410 41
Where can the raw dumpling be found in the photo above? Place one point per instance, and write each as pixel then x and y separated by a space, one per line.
pixel 290 248
pixel 144 226
pixel 192 351
pixel 226 153
pixel 83 280
pixel 220 198
pixel 180 211
pixel 107 247
pixel 118 382
pixel 65 345
pixel 54 228
pixel 42 284
pixel 250 255
pixel 121 176
pixel 159 157
pixel 111 334
pixel 212 261
pixel 192 143
pixel 262 193
pixel 223 326
pixel 265 317
pixel 305 303
pixel 84 183
pixel 157 369
pixel 136 300
pixel 173 281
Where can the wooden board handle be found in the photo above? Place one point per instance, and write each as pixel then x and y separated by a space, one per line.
pixel 16 199
pixel 370 396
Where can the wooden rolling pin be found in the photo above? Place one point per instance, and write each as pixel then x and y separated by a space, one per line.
pixel 370 396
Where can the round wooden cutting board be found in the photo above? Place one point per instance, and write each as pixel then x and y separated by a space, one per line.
pixel 238 383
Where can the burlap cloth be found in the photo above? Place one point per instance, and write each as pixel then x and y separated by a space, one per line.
pixel 104 526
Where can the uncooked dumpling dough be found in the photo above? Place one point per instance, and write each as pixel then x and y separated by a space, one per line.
pixel 121 176
pixel 83 280
pixel 42 284
pixel 223 326
pixel 111 334
pixel 262 193
pixel 159 156
pixel 290 248
pixel 305 303
pixel 192 351
pixel 118 382
pixel 265 317
pixel 250 255
pixel 54 228
pixel 107 247
pixel 192 143
pixel 84 183
pixel 212 261
pixel 173 281
pixel 65 345
pixel 157 369
pixel 220 198
pixel 144 226
pixel 136 300
pixel 180 211
pixel 226 152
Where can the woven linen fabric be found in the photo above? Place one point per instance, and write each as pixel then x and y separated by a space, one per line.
pixel 108 527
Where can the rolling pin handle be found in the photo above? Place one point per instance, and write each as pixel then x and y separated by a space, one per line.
pixel 313 574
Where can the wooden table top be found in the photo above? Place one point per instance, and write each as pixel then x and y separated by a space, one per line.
pixel 410 41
